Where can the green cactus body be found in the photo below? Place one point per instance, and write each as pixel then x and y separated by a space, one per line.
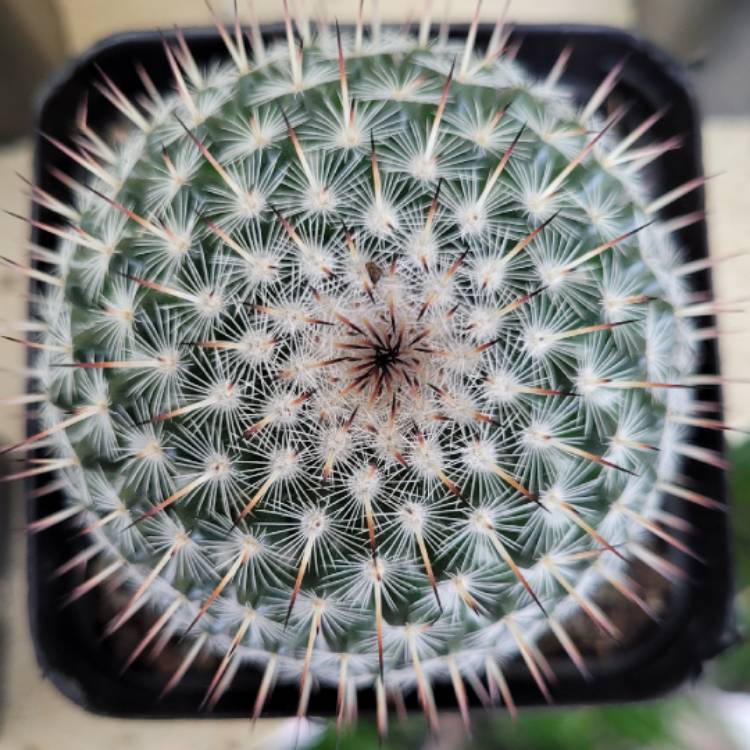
pixel 359 363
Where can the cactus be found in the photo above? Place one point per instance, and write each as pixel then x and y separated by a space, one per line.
pixel 364 363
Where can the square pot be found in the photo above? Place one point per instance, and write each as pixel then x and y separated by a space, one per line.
pixel 698 622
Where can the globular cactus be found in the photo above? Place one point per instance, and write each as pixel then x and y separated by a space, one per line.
pixel 367 363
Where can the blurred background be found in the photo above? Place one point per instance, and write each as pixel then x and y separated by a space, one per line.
pixel 711 38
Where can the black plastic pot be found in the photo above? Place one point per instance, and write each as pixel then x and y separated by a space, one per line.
pixel 698 622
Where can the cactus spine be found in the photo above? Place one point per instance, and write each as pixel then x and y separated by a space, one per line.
pixel 364 363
